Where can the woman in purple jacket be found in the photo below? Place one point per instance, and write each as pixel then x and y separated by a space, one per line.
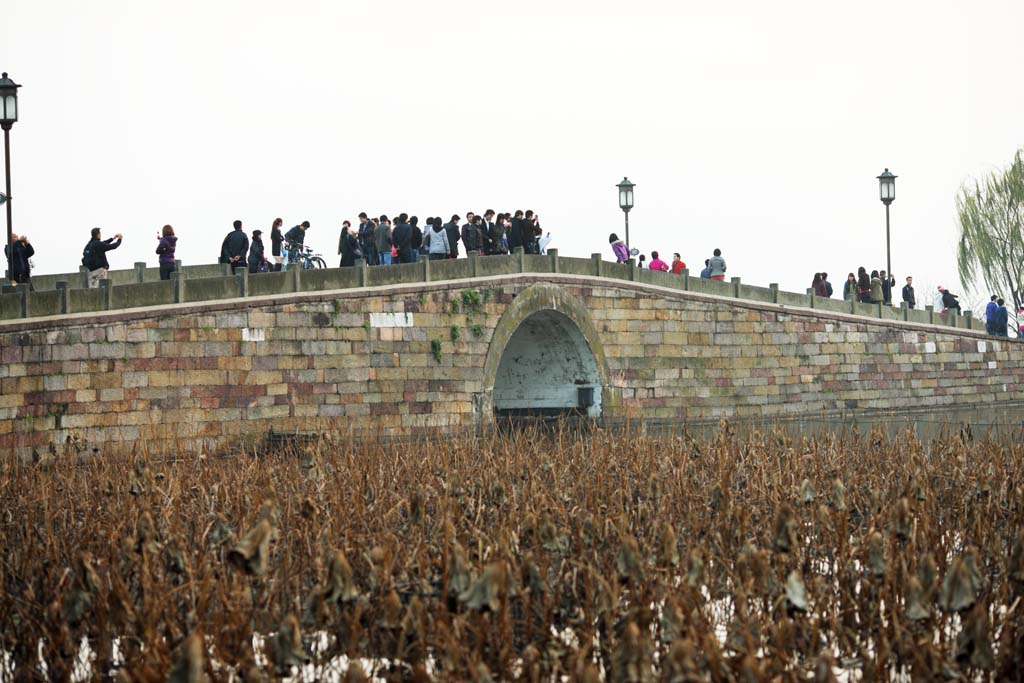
pixel 619 248
pixel 166 251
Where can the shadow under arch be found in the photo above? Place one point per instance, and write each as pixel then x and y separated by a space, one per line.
pixel 543 350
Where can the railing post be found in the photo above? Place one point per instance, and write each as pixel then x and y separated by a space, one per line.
pixel 177 265
pixel 553 253
pixel 84 272
pixel 62 289
pixel 25 295
pixel 736 288
pixel 596 259
pixel 243 282
pixel 226 269
pixel 474 263
pixel 296 278
pixel 521 258
pixel 810 296
pixel 631 265
pixel 905 310
pixel 968 318
pixel 773 288
pixel 364 272
pixel 140 272
pixel 426 268
pixel 931 314
pixel 878 309
pixel 685 274
pixel 105 289
pixel 178 278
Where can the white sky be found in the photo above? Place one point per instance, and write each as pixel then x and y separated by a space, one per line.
pixel 757 127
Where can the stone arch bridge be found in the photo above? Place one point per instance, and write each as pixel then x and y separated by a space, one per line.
pixel 454 346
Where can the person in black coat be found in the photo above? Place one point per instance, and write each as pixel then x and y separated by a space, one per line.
pixel 95 256
pixel 256 256
pixel 452 230
pixel 949 300
pixel 276 238
pixel 349 247
pixel 296 238
pixel 416 239
pixel 401 238
pixel 495 236
pixel 21 269
pixel 515 232
pixel 471 235
pixel 908 293
pixel 235 247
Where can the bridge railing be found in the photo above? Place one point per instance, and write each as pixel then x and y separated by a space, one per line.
pixel 141 286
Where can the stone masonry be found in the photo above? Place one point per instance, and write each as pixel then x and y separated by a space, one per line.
pixel 403 359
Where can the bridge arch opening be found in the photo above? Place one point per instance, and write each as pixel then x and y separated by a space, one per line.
pixel 547 369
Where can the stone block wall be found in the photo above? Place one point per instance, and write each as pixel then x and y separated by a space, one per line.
pixel 401 359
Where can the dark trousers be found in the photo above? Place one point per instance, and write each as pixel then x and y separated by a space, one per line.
pixel 165 270
pixel 236 265
pixel 440 257
pixel 24 279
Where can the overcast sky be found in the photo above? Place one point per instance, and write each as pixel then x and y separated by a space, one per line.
pixel 757 127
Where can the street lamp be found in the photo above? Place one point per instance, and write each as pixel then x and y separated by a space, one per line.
pixel 626 203
pixel 8 115
pixel 887 193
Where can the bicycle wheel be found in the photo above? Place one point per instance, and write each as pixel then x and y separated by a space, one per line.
pixel 318 262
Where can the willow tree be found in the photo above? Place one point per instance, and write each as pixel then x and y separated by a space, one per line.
pixel 991 245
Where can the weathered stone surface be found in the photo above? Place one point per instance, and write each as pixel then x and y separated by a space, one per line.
pixel 662 354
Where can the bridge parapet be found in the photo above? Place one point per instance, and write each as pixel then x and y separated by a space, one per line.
pixel 140 287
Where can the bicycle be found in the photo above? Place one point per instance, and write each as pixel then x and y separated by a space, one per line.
pixel 306 258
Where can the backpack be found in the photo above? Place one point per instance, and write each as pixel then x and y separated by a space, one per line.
pixel 89 256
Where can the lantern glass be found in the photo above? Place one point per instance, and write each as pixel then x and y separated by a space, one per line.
pixel 10 108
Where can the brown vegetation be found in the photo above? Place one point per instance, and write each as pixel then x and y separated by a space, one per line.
pixel 609 556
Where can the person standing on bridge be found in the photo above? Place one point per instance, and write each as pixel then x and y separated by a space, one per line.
pixel 657 263
pixel 165 248
pixel 94 257
pixel 618 248
pixel 990 312
pixel 276 238
pixel 678 265
pixel 863 286
pixel 367 236
pixel 401 238
pixel 416 236
pixel 470 234
pixel 235 247
pixel 382 243
pixel 348 246
pixel 21 267
pixel 818 285
pixel 1001 325
pixel 256 253
pixel 828 285
pixel 717 265
pixel 877 295
pixel 436 238
pixel 296 238
pixel 908 293
pixel 888 282
pixel 850 288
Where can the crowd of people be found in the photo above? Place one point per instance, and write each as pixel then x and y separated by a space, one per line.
pixel 874 288
pixel 381 242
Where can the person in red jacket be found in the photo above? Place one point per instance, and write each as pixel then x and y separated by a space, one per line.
pixel 678 265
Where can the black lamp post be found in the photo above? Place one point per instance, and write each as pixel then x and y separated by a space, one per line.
pixel 626 203
pixel 887 192
pixel 8 116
